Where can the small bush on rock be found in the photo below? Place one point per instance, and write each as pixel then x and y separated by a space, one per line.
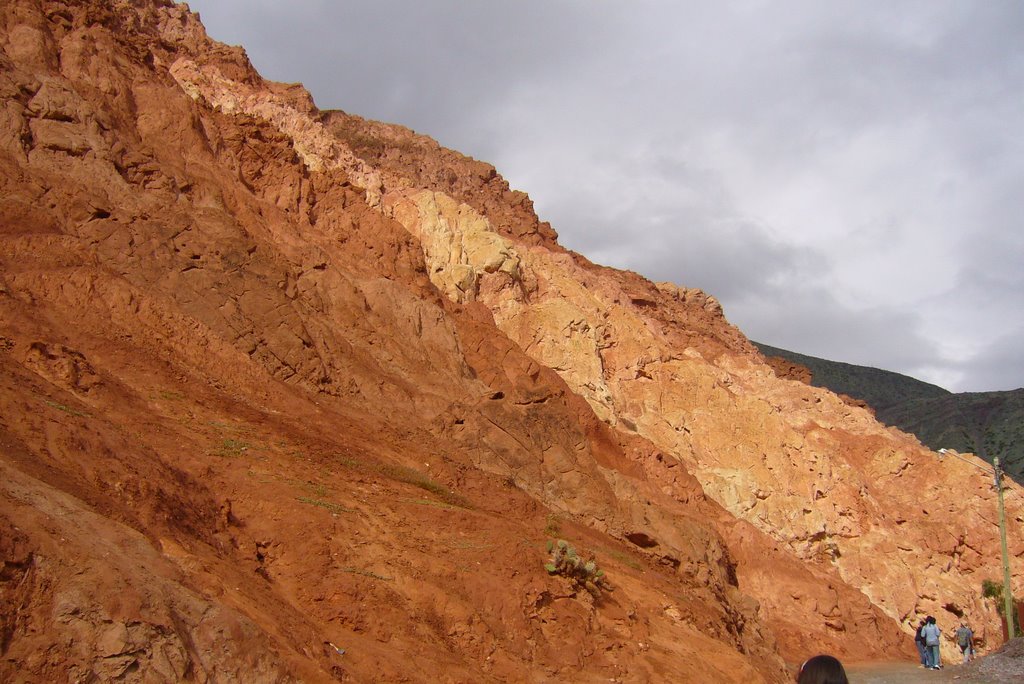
pixel 583 572
pixel 994 590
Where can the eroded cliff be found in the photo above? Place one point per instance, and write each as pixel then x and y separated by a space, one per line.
pixel 278 383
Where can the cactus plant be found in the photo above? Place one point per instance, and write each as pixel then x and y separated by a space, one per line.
pixel 582 572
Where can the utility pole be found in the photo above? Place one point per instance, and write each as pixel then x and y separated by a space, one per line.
pixel 1007 592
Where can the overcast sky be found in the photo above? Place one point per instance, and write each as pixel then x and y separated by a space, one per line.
pixel 846 177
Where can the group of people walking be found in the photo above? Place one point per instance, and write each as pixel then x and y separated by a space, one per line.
pixel 826 669
pixel 927 641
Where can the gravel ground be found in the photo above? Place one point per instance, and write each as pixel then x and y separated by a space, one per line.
pixel 1005 666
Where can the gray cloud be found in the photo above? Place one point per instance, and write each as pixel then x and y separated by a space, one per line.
pixel 992 364
pixel 841 175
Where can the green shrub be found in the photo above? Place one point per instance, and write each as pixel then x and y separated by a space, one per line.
pixel 994 590
pixel 231 448
pixel 418 479
pixel 329 505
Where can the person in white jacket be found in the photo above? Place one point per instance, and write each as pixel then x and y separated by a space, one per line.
pixel 931 634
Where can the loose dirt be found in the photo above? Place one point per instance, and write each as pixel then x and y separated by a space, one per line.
pixel 1002 667
pixel 898 673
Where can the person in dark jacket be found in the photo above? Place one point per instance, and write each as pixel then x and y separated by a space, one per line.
pixel 965 640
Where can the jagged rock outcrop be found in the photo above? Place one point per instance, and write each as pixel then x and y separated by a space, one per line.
pixel 291 395
pixel 789 370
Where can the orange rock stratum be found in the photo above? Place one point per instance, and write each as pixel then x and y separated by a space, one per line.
pixel 290 395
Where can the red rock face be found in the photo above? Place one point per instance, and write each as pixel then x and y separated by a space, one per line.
pixel 789 370
pixel 277 384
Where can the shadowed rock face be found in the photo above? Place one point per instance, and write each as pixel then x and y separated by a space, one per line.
pixel 276 382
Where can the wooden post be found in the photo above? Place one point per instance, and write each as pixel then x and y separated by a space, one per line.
pixel 1007 591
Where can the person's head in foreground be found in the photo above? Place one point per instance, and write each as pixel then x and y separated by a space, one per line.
pixel 822 669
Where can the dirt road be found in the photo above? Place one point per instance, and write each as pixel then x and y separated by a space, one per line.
pixel 909 673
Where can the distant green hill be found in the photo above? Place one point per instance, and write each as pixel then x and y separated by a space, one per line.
pixel 984 423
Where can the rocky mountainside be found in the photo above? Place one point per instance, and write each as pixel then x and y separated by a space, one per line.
pixel 989 424
pixel 289 395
